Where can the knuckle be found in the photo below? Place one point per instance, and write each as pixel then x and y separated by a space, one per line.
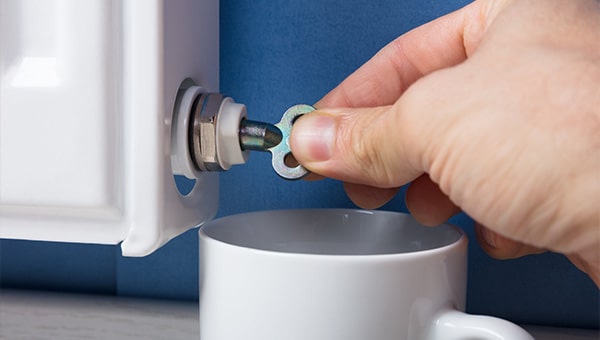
pixel 363 152
pixel 363 149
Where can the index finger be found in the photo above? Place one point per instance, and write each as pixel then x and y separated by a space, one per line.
pixel 441 43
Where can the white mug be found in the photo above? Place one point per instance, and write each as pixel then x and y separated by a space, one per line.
pixel 336 274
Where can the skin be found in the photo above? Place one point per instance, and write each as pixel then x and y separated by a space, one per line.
pixel 493 109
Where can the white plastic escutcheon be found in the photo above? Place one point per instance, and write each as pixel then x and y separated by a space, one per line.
pixel 181 161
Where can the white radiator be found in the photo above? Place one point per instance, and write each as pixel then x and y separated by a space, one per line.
pixel 87 90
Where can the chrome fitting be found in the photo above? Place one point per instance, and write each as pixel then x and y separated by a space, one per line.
pixel 203 132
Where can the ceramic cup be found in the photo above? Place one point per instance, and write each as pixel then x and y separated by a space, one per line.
pixel 330 274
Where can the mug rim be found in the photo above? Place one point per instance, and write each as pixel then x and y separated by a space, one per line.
pixel 460 241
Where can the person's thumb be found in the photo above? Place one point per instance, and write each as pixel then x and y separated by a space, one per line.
pixel 365 146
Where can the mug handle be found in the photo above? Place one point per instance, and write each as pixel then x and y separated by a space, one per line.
pixel 455 325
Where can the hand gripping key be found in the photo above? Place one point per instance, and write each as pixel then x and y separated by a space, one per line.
pixel 275 139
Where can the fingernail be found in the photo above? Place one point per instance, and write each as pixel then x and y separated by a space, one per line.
pixel 488 236
pixel 312 137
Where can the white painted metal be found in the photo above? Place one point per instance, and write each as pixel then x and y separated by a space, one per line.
pixel 87 90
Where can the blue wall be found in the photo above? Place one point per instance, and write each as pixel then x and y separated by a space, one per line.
pixel 275 54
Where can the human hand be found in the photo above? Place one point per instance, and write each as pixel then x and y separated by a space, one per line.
pixel 493 109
